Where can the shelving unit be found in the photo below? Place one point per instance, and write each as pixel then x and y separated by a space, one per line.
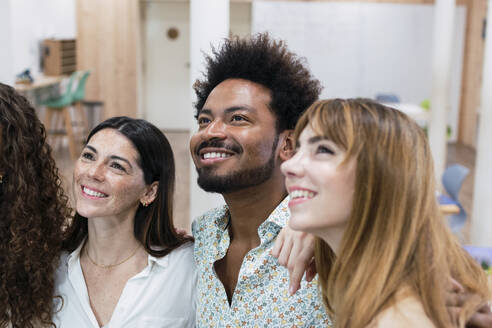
pixel 59 57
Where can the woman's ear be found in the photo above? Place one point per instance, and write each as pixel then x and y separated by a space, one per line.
pixel 150 193
pixel 287 145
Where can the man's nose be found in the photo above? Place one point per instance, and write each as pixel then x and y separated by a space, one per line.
pixel 215 130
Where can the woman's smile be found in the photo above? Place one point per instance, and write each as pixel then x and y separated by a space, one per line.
pixel 92 193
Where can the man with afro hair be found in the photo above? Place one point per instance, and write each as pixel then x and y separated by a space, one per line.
pixel 252 94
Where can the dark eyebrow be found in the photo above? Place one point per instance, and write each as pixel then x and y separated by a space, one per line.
pixel 238 108
pixel 229 110
pixel 205 111
pixel 121 159
pixel 112 156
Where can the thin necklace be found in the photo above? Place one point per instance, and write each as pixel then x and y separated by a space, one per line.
pixel 109 266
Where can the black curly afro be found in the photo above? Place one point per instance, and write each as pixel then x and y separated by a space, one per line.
pixel 267 62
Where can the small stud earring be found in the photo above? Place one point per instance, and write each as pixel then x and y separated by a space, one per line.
pixel 1 178
pixel 145 204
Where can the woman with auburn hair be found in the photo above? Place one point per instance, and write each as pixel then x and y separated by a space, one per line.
pixel 33 210
pixel 362 181
pixel 125 266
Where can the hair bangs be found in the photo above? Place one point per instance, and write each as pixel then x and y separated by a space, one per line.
pixel 333 120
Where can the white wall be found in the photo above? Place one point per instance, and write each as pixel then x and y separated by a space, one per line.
pixel 167 65
pixel 6 72
pixel 28 23
pixel 167 62
pixel 361 49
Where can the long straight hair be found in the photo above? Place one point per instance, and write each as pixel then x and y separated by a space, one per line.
pixel 395 236
pixel 153 226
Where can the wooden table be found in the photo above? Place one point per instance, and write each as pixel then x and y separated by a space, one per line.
pixel 449 209
pixel 43 88
pixel 39 82
pixel 447 205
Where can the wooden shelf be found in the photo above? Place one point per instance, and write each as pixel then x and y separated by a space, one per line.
pixel 59 57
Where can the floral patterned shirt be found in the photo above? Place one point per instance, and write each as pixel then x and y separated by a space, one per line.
pixel 261 297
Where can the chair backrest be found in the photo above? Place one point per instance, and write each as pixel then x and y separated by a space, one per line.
pixel 452 179
pixel 68 89
pixel 387 98
pixel 79 93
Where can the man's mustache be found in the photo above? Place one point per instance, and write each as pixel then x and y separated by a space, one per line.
pixel 218 144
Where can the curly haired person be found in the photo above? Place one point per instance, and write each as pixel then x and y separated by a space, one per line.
pixel 33 210
pixel 252 94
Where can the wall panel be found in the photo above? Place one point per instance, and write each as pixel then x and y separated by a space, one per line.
pixel 108 39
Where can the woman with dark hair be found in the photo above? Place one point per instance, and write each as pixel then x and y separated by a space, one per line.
pixel 33 210
pixel 125 265
pixel 362 181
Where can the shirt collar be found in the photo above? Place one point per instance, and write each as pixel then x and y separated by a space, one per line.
pixel 160 261
pixel 222 217
pixel 74 257
pixel 279 216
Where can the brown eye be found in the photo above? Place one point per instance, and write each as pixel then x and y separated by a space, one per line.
pixel 87 155
pixel 117 166
pixel 324 150
pixel 203 120
pixel 237 118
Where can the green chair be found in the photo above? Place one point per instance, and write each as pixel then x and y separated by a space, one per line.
pixel 79 93
pixel 65 99
pixel 60 107
pixel 78 97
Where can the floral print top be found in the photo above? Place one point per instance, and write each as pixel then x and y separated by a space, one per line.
pixel 261 297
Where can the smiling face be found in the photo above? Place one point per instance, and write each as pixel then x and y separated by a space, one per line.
pixel 108 181
pixel 235 145
pixel 321 190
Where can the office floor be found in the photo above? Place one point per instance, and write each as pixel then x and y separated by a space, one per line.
pixel 456 153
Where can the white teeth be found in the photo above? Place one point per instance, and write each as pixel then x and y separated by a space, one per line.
pixel 301 194
pixel 94 193
pixel 215 155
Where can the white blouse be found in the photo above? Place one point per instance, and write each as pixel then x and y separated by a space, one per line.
pixel 162 295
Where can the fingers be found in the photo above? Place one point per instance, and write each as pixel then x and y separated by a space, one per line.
pixel 296 267
pixel 311 271
pixel 454 286
pixel 296 270
pixel 455 294
pixel 480 320
pixel 454 313
pixel 455 299
pixel 300 259
pixel 295 250
pixel 485 308
pixel 279 242
pixel 285 252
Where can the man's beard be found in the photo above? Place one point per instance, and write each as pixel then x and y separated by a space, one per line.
pixel 239 179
